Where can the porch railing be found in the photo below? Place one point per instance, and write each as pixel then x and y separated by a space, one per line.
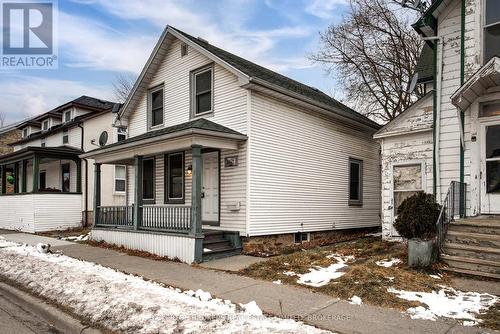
pixel 166 218
pixel 116 216
pixel 453 206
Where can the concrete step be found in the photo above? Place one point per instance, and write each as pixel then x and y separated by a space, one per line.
pixel 473 239
pixel 458 262
pixel 221 253
pixel 472 273
pixel 471 251
pixel 483 226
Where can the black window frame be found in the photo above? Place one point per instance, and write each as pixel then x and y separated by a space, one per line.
pixel 194 94
pixel 65 137
pixel 167 183
pixel 486 26
pixel 42 179
pixel 161 109
pixel 359 200
pixel 63 167
pixel 153 199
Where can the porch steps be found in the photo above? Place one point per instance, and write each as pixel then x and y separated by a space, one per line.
pixel 472 247
pixel 220 244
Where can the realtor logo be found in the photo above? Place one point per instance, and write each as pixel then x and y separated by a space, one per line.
pixel 28 34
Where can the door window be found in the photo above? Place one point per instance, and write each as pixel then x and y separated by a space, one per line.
pixel 407 182
pixel 493 159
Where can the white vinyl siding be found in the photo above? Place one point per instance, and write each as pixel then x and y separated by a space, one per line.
pixel 174 73
pixel 299 171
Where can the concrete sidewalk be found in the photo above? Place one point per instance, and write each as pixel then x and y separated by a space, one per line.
pixel 280 300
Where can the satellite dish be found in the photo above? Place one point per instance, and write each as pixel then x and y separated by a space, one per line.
pixel 413 83
pixel 103 138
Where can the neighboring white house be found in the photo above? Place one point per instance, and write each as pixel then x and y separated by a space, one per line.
pixel 221 148
pixel 466 105
pixel 52 187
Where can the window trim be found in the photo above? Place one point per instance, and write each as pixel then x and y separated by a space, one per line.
pixel 192 88
pixel 119 192
pixel 46 121
pixel 355 202
pixel 149 200
pixel 150 105
pixel 64 116
pixel 65 133
pixel 166 183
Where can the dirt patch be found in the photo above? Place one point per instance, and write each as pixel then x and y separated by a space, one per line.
pixel 272 245
pixel 362 277
pixel 491 318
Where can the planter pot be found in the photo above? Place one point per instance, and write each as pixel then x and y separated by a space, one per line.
pixel 421 253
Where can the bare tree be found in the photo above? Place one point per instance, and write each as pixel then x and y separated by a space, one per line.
pixel 122 86
pixel 373 53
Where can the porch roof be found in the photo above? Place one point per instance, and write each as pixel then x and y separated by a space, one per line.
pixel 478 84
pixel 59 152
pixel 197 132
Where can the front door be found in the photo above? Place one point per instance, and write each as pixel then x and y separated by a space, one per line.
pixel 490 168
pixel 210 189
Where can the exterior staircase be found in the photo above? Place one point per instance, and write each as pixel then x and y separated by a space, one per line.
pixel 472 246
pixel 220 244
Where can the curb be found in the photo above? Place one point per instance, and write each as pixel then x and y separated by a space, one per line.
pixel 59 319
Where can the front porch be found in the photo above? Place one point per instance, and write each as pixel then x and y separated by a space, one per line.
pixel 176 204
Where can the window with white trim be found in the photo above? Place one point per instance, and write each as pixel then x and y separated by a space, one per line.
pixel 202 91
pixel 355 182
pixel 25 133
pixel 120 178
pixel 67 116
pixel 301 237
pixel 65 137
pixel 121 134
pixel 45 125
pixel 491 29
pixel 155 106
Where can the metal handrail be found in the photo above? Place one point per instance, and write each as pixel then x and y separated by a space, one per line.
pixel 453 205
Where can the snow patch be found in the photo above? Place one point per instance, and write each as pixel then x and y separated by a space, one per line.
pixel 81 237
pixel 289 273
pixel 42 248
pixel 435 276
pixel 319 276
pixel 129 304
pixel 277 282
pixel 207 250
pixel 447 302
pixel 376 234
pixel 388 263
pixel 355 300
pixel 390 278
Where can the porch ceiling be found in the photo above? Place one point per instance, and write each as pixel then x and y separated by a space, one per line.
pixel 60 152
pixel 183 136
pixel 486 78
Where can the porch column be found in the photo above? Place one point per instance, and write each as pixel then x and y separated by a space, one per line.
pixel 36 172
pixel 196 202
pixel 78 175
pixel 4 175
pixel 97 192
pixel 16 177
pixel 138 192
pixel 24 176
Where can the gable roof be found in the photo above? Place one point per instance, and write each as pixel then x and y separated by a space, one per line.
pixel 246 71
pixel 415 116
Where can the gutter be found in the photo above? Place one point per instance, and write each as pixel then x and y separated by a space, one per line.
pixel 86 205
pixel 462 113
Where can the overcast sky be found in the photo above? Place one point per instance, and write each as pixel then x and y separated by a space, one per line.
pixel 99 39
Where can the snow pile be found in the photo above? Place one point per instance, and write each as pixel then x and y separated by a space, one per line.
pixel 277 282
pixel 81 237
pixel 447 302
pixel 128 304
pixel 388 263
pixel 319 276
pixel 355 300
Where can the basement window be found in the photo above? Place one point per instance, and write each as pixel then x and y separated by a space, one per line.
pixel 301 237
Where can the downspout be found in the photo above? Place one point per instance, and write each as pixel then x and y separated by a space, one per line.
pixel 462 113
pixel 86 204
pixel 438 78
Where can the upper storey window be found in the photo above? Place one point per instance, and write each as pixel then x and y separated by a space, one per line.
pixel 45 125
pixel 492 30
pixel 202 91
pixel 67 116
pixel 155 106
pixel 26 133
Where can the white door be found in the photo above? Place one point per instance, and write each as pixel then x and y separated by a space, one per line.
pixel 210 189
pixel 408 179
pixel 490 168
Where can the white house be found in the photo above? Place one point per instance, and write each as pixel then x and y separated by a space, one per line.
pixel 221 148
pixel 453 133
pixel 52 188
